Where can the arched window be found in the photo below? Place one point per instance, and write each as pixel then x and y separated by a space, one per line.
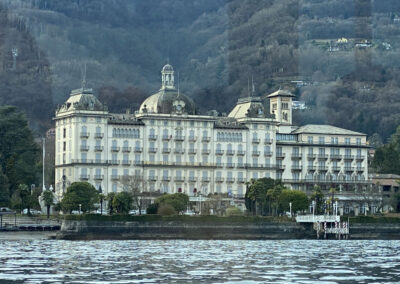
pixel 114 143
pixel 229 147
pixel 126 144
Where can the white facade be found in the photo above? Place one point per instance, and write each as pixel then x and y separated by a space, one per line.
pixel 174 149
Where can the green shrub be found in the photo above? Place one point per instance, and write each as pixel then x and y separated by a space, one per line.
pixel 233 211
pixel 152 208
pixel 166 210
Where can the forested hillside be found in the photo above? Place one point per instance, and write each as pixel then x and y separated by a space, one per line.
pixel 216 45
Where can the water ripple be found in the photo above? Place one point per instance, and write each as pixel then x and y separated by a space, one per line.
pixel 180 261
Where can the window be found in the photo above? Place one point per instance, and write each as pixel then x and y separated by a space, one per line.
pixel 192 123
pixel 165 158
pixel 205 124
pixel 64 133
pixel 165 122
pixel 347 141
pixel 84 157
pixel 254 126
pixel 321 140
pixel 114 187
pixel 205 159
pixel 358 141
pixel 98 158
pixel 64 146
pixel 84 118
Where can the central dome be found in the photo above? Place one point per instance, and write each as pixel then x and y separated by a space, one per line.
pixel 168 99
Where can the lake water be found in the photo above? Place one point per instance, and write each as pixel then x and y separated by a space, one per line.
pixel 180 261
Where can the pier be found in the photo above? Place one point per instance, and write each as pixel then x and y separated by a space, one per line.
pixel 327 225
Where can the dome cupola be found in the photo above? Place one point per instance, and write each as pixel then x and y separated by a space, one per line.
pixel 167 77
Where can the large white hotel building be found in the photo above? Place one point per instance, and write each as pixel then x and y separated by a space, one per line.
pixel 175 149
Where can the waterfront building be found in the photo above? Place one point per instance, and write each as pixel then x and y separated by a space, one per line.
pixel 175 149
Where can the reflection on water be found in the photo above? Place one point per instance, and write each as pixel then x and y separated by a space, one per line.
pixel 301 261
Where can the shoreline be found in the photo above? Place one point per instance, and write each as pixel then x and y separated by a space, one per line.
pixel 25 235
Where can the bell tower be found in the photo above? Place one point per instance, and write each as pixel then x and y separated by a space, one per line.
pixel 281 106
pixel 167 77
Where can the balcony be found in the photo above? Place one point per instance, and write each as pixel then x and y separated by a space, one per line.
pixel 322 156
pixel 166 150
pixel 192 138
pixel 126 149
pixel 192 179
pixel 268 141
pixel 360 169
pixel 166 178
pixel 230 165
pixel 241 180
pixel 296 156
pixel 84 135
pixel 179 138
pixel 255 140
pixel 349 169
pixel 126 162
pixel 98 148
pixel 322 168
pixel 115 149
pixel 152 137
pixel 179 151
pixel 230 179
pixel 267 153
pixel 360 157
pixel 205 151
pixel 205 179
pixel 336 157
pixel 84 148
pixel 230 152
pixel 152 178
pixel 255 153
pixel 98 135
pixel 114 162
pixel 219 152
pixel 138 150
pixel 348 157
pixel 115 177
pixel 335 168
pixel 240 152
pixel 166 137
pixel 219 179
pixel 280 167
pixel 84 177
pixel 219 165
pixel 241 165
pixel 311 156
pixel 179 179
pixel 152 150
pixel 192 151
pixel 98 177
pixel 311 168
pixel 205 139
pixel 280 155
pixel 296 168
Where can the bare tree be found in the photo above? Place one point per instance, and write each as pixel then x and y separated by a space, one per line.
pixel 134 185
pixel 372 196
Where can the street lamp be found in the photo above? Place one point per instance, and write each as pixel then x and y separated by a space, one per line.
pixel 313 208
pixel 290 208
pixel 101 200
pixel 80 209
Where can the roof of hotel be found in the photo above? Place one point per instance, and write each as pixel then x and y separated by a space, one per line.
pixel 325 129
